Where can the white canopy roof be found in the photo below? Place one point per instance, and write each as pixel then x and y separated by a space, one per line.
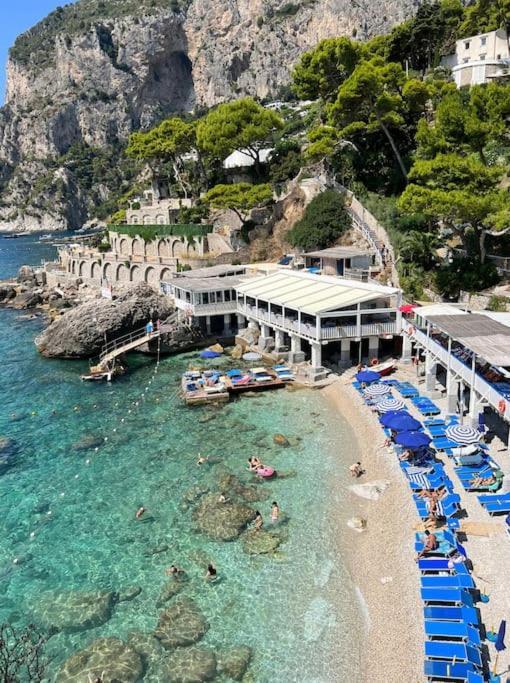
pixel 312 294
pixel 438 309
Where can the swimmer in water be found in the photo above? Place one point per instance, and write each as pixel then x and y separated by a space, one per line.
pixel 140 512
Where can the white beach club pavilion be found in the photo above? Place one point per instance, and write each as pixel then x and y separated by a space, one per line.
pixel 331 315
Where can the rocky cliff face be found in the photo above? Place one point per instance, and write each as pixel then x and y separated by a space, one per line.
pixel 82 80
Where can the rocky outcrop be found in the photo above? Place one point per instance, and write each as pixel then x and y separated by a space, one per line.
pixel 188 665
pixel 233 663
pixel 81 331
pixel 106 659
pixel 181 624
pixel 72 611
pixel 221 521
pixel 92 72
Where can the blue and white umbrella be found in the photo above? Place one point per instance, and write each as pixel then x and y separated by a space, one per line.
pixel 377 390
pixel 463 434
pixel 388 404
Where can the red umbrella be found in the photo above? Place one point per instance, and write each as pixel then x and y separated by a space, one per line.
pixel 407 308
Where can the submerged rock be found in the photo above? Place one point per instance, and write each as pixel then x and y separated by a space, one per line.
pixel 190 665
pixel 146 645
pixel 88 441
pixel 106 659
pixel 281 440
pixel 181 624
pixel 80 332
pixel 260 542
pixel 169 590
pixel 72 611
pixel 129 593
pixel 221 521
pixel 234 662
pixel 8 449
pixel 230 484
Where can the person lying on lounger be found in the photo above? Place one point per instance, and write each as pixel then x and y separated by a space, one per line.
pixel 484 482
pixel 433 498
pixel 430 544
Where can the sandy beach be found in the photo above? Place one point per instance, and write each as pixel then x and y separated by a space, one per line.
pixel 382 562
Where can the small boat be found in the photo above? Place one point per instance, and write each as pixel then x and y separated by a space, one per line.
pixel 98 373
pixel 45 238
pixel 384 368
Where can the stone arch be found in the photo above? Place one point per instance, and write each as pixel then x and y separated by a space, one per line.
pixel 122 273
pixel 147 220
pixel 73 266
pixel 135 220
pixel 163 249
pixel 108 272
pixel 95 271
pixel 151 249
pixel 124 247
pixel 165 274
pixel 138 247
pixel 151 276
pixel 160 219
pixel 178 248
pixel 136 274
pixel 81 269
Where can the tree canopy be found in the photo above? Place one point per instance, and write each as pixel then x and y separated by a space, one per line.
pixel 239 197
pixel 324 221
pixel 321 71
pixel 240 125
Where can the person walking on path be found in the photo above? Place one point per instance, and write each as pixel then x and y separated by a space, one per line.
pixel 149 328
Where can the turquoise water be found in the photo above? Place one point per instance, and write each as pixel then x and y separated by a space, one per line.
pixel 67 515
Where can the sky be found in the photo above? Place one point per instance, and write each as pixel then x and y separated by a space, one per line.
pixel 16 16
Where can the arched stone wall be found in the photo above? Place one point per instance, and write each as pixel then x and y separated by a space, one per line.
pixel 178 248
pixel 165 274
pixel 160 219
pixel 73 267
pixel 163 248
pixel 147 220
pixel 138 247
pixel 108 272
pixel 122 273
pixel 136 274
pixel 82 269
pixel 125 247
pixel 95 271
pixel 151 248
pixel 151 276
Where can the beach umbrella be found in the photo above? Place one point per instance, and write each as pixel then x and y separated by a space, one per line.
pixel 368 376
pixel 387 417
pixel 377 390
pixel 403 423
pixel 407 308
pixel 388 404
pixel 412 439
pixel 209 354
pixel 463 434
pixel 500 642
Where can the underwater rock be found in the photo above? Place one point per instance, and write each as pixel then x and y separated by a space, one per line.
pixel 72 611
pixel 106 659
pixel 190 665
pixel 221 521
pixel 8 448
pixel 157 550
pixel 281 440
pixel 181 624
pixel 194 493
pixel 88 441
pixel 228 483
pixel 129 594
pixel 234 662
pixel 169 590
pixel 259 542
pixel 146 645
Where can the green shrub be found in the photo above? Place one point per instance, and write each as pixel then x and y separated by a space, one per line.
pixel 152 232
pixel 104 246
pixel 324 221
pixel 498 304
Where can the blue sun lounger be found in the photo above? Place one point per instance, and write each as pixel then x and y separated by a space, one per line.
pixel 449 613
pixel 448 581
pixel 475 677
pixel 499 506
pixel 452 649
pixel 454 630
pixel 428 565
pixel 448 596
pixel 447 671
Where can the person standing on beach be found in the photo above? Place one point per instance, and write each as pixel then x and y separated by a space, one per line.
pixel 275 511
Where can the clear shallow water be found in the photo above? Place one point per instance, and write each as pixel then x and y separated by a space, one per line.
pixel 297 610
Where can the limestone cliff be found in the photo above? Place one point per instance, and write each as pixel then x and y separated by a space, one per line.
pixel 80 81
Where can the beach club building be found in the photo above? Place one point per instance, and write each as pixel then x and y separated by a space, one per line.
pixel 469 353
pixel 319 316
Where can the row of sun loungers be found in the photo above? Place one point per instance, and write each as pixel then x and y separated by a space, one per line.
pixel 451 621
